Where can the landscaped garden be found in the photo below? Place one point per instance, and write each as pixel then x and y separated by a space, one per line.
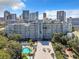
pixel 9 48
pixel 61 42
pixel 28 49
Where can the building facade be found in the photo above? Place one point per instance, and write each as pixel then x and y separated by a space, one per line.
pixel 61 15
pixel 9 17
pixel 30 26
pixel 44 15
pixel 6 15
pixel 25 15
pixel 37 30
pixel 33 16
pixel 75 22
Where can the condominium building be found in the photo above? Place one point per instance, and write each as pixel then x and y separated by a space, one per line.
pixel 37 30
pixel 75 22
pixel 44 15
pixel 13 16
pixel 61 15
pixel 6 15
pixel 25 15
pixel 33 16
pixel 9 17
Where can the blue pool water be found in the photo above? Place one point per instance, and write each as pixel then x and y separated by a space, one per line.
pixel 26 50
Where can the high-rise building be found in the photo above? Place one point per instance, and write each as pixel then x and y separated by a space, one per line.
pixel 61 15
pixel 9 17
pixel 6 15
pixel 37 15
pixel 44 16
pixel 25 15
pixel 34 16
pixel 13 16
pixel 74 22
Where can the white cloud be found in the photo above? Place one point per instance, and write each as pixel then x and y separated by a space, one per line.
pixel 51 14
pixel 69 13
pixel 14 4
pixel 18 6
pixel 40 15
pixel 72 13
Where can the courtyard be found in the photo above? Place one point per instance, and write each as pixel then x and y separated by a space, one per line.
pixel 44 50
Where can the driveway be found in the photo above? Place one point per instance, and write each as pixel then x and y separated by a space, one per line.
pixel 44 50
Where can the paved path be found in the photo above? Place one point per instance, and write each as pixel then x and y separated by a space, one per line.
pixel 44 50
pixel 70 54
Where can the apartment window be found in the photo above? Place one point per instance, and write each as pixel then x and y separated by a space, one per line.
pixel 40 32
pixel 44 27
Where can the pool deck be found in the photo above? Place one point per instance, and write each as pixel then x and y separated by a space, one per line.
pixel 44 50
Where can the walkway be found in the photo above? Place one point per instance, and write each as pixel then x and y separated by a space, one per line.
pixel 44 50
pixel 70 54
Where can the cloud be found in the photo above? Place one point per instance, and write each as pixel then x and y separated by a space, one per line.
pixel 11 5
pixel 40 15
pixel 69 13
pixel 14 4
pixel 1 12
pixel 72 13
pixel 51 14
pixel 18 6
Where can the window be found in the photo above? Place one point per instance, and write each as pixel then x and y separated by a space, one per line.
pixel 44 27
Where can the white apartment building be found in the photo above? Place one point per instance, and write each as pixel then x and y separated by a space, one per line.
pixel 27 16
pixel 9 17
pixel 29 26
pixel 75 22
pixel 33 16
pixel 39 29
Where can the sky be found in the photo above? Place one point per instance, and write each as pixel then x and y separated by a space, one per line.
pixel 49 6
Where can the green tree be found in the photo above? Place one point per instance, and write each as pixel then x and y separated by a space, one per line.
pixel 3 41
pixel 64 40
pixel 57 37
pixel 4 55
pixel 14 44
pixel 73 29
pixel 25 57
pixel 11 47
pixel 74 42
pixel 60 38
pixel 58 46
pixel 15 37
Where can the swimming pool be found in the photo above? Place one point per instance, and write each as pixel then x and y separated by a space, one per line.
pixel 26 50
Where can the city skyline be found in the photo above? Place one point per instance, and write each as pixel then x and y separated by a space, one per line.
pixel 48 6
pixel 50 14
